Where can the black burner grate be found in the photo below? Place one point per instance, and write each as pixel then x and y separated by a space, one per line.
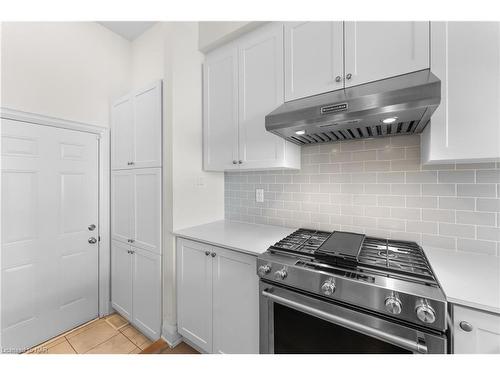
pixel 399 256
pixel 392 256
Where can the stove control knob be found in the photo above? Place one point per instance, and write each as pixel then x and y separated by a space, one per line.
pixel 264 270
pixel 393 305
pixel 328 287
pixel 281 274
pixel 425 313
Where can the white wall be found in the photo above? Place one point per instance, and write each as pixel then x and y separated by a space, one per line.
pixel 214 33
pixel 185 203
pixel 70 70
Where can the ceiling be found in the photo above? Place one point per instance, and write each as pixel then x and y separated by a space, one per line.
pixel 128 29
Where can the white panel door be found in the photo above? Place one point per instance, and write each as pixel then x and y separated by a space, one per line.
pixel 147 209
pixel 466 126
pixel 49 200
pixel 378 50
pixel 122 133
pixel 194 292
pixel 314 58
pixel 220 109
pixel 147 126
pixel 260 92
pixel 121 278
pixel 122 205
pixel 235 303
pixel 146 295
pixel 481 334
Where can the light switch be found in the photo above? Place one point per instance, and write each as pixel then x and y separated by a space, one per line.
pixel 259 195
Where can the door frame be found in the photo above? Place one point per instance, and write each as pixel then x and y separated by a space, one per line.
pixel 103 138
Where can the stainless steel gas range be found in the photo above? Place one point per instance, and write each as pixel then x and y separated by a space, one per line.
pixel 341 292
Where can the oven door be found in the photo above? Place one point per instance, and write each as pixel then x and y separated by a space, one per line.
pixel 296 323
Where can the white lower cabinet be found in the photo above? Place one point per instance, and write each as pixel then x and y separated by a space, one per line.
pixel 475 332
pixel 136 287
pixel 217 298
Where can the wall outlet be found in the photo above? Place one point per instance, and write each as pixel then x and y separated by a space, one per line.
pixel 259 195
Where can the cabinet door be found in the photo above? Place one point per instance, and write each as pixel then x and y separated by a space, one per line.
pixel 260 92
pixel 235 303
pixel 194 292
pixel 220 109
pixel 121 279
pixel 122 133
pixel 147 126
pixel 313 58
pixel 122 205
pixel 147 292
pixel 484 338
pixel 465 126
pixel 378 50
pixel 147 212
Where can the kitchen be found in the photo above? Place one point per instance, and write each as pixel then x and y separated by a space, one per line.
pixel 278 187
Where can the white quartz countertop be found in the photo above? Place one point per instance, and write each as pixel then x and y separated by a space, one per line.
pixel 468 279
pixel 248 238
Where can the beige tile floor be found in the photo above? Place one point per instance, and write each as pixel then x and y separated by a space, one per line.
pixel 109 335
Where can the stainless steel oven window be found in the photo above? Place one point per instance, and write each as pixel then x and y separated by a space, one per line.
pixel 397 334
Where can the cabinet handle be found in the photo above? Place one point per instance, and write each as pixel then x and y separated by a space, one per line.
pixel 234 162
pixel 337 79
pixel 349 76
pixel 207 253
pixel 213 255
pixel 130 163
pixel 130 240
pixel 466 326
pixel 240 162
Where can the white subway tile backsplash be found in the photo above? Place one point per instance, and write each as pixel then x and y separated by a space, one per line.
pixel 378 187
pixel 488 176
pixel 439 190
pixel 457 230
pixel 446 216
pixel 476 190
pixel 457 203
pixel 456 176
pixel 487 204
pixel 477 218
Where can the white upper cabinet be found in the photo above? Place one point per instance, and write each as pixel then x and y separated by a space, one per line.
pixel 242 83
pixel 147 129
pixel 314 60
pixel 378 50
pixel 260 67
pixel 136 134
pixel 220 109
pixel 466 125
pixel 136 207
pixel 475 332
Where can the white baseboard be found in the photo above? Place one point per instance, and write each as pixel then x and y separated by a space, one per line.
pixel 170 335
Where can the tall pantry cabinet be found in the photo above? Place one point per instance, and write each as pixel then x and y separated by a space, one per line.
pixel 136 201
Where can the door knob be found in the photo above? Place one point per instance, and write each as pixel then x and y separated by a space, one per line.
pixel 349 76
pixel 213 255
pixel 234 161
pixel 130 241
pixel 337 79
pixel 240 162
pixel 207 253
pixel 130 163
pixel 466 326
pixel 91 227
pixel 92 240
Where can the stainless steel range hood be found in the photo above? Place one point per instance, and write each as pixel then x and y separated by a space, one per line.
pixel 394 106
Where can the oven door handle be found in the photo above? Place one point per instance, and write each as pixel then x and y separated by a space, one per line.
pixel 414 346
